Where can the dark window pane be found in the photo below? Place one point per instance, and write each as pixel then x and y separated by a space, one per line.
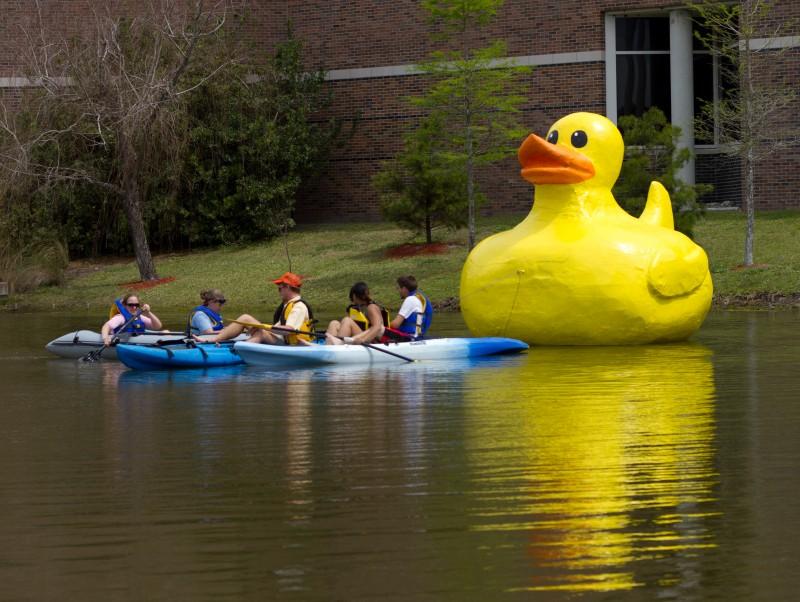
pixel 703 77
pixel 642 33
pixel 643 82
pixel 703 31
pixel 728 79
pixel 703 89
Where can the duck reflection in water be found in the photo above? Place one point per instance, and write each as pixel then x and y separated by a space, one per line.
pixel 613 450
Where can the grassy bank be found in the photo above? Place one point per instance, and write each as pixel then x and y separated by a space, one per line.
pixel 332 257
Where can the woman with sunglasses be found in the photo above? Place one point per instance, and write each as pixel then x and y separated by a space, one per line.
pixel 123 310
pixel 207 318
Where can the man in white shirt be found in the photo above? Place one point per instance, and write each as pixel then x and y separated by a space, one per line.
pixel 409 321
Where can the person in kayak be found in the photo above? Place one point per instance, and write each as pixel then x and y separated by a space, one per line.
pixel 414 316
pixel 292 314
pixel 364 322
pixel 207 318
pixel 122 311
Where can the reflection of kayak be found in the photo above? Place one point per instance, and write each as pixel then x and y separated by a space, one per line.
pixel 143 357
pixel 428 349
pixel 80 342
pixel 187 376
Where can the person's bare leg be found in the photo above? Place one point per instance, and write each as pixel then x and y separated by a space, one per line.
pixel 265 337
pixel 332 332
pixel 233 329
pixel 349 328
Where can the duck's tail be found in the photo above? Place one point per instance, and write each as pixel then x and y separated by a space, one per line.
pixel 658 209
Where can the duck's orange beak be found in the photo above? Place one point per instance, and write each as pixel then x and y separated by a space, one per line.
pixel 545 163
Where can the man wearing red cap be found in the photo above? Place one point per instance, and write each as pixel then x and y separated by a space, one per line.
pixel 293 314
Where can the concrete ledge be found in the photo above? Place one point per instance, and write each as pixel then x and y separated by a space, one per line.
pixel 564 58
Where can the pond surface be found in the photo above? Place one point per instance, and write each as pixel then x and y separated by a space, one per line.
pixel 640 473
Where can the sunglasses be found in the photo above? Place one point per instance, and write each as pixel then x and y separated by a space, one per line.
pixel 220 301
pixel 133 304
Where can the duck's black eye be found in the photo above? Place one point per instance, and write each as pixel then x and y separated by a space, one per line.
pixel 579 139
pixel 552 137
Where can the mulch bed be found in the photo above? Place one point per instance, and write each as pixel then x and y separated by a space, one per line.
pixel 144 284
pixel 762 300
pixel 414 249
pixel 449 304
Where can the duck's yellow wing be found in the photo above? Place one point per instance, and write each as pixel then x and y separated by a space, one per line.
pixel 678 268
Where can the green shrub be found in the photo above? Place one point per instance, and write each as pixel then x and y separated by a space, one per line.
pixel 650 154
pixel 254 141
pixel 29 267
pixel 421 189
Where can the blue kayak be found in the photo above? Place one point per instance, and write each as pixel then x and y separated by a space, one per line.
pixel 147 357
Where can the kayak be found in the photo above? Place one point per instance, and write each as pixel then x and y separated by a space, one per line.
pixel 428 349
pixel 155 357
pixel 80 342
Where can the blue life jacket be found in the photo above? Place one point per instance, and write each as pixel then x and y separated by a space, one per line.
pixel 136 326
pixel 417 324
pixel 216 319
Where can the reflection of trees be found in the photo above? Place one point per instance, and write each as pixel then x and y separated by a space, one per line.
pixel 615 448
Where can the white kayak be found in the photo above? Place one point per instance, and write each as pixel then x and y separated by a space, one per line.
pixel 376 353
pixel 80 342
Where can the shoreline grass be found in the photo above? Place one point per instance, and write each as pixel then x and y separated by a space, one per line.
pixel 333 256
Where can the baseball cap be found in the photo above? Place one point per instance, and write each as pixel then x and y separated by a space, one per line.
pixel 292 280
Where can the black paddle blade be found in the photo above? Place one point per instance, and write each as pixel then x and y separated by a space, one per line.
pixel 93 356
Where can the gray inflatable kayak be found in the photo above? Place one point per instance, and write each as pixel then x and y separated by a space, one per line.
pixel 80 342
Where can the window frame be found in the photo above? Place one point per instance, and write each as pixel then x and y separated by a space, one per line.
pixel 611 54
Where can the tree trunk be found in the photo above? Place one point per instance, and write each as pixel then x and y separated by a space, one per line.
pixel 749 204
pixel 470 190
pixel 749 142
pixel 131 200
pixel 428 229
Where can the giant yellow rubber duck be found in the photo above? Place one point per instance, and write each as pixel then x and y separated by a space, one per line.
pixel 579 270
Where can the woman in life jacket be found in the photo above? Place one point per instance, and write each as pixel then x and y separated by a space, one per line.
pixel 414 316
pixel 292 323
pixel 364 322
pixel 130 313
pixel 207 318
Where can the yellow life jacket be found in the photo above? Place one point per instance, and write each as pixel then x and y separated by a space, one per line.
pixel 282 314
pixel 359 317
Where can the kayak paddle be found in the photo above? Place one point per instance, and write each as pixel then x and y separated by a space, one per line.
pixel 95 354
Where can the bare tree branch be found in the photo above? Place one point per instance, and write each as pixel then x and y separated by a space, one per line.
pixel 116 89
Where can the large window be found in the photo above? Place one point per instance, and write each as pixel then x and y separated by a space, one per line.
pixel 643 70
pixel 642 61
pixel 641 78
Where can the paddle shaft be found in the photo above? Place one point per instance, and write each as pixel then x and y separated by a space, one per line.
pixel 382 350
pixel 317 334
pixel 95 354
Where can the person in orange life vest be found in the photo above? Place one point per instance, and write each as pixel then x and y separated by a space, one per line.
pixel 126 307
pixel 207 318
pixel 292 314
pixel 364 322
pixel 414 316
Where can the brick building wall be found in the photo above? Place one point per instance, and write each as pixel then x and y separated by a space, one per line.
pixel 360 34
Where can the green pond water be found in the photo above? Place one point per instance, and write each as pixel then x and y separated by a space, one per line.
pixel 638 473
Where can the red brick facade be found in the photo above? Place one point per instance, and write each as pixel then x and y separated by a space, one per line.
pixel 369 34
